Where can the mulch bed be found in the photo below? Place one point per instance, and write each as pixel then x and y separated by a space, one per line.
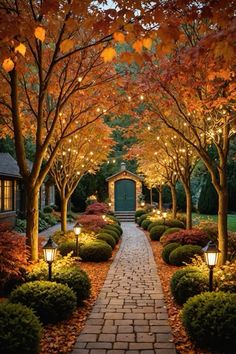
pixel 165 272
pixel 60 338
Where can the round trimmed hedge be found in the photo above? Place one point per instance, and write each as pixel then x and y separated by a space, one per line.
pixel 190 284
pixel 51 301
pixel 95 251
pixel 138 213
pixel 145 223
pixel 171 230
pixel 77 279
pixel 170 223
pixel 20 329
pixel 209 320
pixel 156 232
pixel 114 233
pixel 167 251
pixel 180 273
pixel 184 254
pixel 114 227
pixel 67 247
pixel 141 218
pixel 107 238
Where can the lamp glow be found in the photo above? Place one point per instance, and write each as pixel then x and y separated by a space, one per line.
pixel 49 252
pixel 77 231
pixel 211 254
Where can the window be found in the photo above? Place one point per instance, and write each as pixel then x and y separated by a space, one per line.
pixel 8 195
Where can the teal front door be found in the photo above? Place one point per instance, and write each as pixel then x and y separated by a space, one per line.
pixel 125 195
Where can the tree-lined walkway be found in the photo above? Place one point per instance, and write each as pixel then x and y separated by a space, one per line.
pixel 130 314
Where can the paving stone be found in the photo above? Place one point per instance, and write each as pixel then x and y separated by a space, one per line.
pixel 129 315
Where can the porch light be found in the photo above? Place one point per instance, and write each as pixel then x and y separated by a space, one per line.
pixel 77 231
pixel 211 254
pixel 142 204
pixel 49 252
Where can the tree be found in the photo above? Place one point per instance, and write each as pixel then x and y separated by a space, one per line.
pixel 83 153
pixel 54 83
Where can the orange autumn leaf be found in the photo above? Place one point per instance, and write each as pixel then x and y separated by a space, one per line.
pixel 138 46
pixel 21 48
pixel 66 45
pixel 8 65
pixel 119 37
pixel 40 33
pixel 108 54
pixel 147 43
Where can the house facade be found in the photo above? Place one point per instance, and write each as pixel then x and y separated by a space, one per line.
pixel 124 189
pixel 13 193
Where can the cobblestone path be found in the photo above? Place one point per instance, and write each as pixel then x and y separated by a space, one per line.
pixel 129 315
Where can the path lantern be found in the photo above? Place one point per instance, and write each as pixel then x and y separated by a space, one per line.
pixel 49 252
pixel 164 215
pixel 211 254
pixel 158 212
pixel 77 231
pixel 109 204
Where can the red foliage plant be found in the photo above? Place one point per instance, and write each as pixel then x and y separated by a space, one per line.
pixel 187 237
pixel 92 222
pixel 97 208
pixel 13 254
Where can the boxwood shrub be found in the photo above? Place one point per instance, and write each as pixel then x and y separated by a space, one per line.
pixel 156 232
pixel 20 329
pixel 107 238
pixel 113 227
pixel 67 247
pixel 77 279
pixel 95 251
pixel 145 223
pixel 171 230
pixel 179 274
pixel 209 320
pixel 167 250
pixel 51 301
pixel 141 218
pixel 190 284
pixel 114 233
pixel 183 254
pixel 138 213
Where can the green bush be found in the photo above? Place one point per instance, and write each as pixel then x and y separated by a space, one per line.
pixel 179 274
pixel 43 225
pixel 50 219
pixel 95 251
pixel 145 224
pixel 175 223
pixel 167 250
pixel 20 225
pixel 67 247
pixel 20 329
pixel 107 238
pixel 51 301
pixel 209 320
pixel 47 209
pixel 171 230
pixel 141 218
pixel 156 232
pixel 113 218
pixel 138 213
pixel 183 254
pixel 182 218
pixel 113 233
pixel 113 227
pixel 77 280
pixel 190 284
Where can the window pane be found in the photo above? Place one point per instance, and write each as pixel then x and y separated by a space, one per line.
pixel 8 205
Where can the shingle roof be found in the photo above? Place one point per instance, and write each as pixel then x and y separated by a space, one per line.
pixel 8 166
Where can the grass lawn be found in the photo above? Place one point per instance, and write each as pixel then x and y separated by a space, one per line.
pixel 231 219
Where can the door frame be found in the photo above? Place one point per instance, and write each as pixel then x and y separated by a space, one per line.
pixel 135 186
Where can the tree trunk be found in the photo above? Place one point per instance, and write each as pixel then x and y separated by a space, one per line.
pixel 160 197
pixel 32 209
pixel 174 200
pixel 151 196
pixel 188 207
pixel 64 206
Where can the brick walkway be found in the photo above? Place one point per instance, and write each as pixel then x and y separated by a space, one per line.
pixel 129 315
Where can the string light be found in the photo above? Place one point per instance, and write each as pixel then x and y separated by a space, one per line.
pixel 80 78
pixel 141 97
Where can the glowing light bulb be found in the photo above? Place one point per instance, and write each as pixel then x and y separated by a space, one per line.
pixel 80 78
pixel 141 97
